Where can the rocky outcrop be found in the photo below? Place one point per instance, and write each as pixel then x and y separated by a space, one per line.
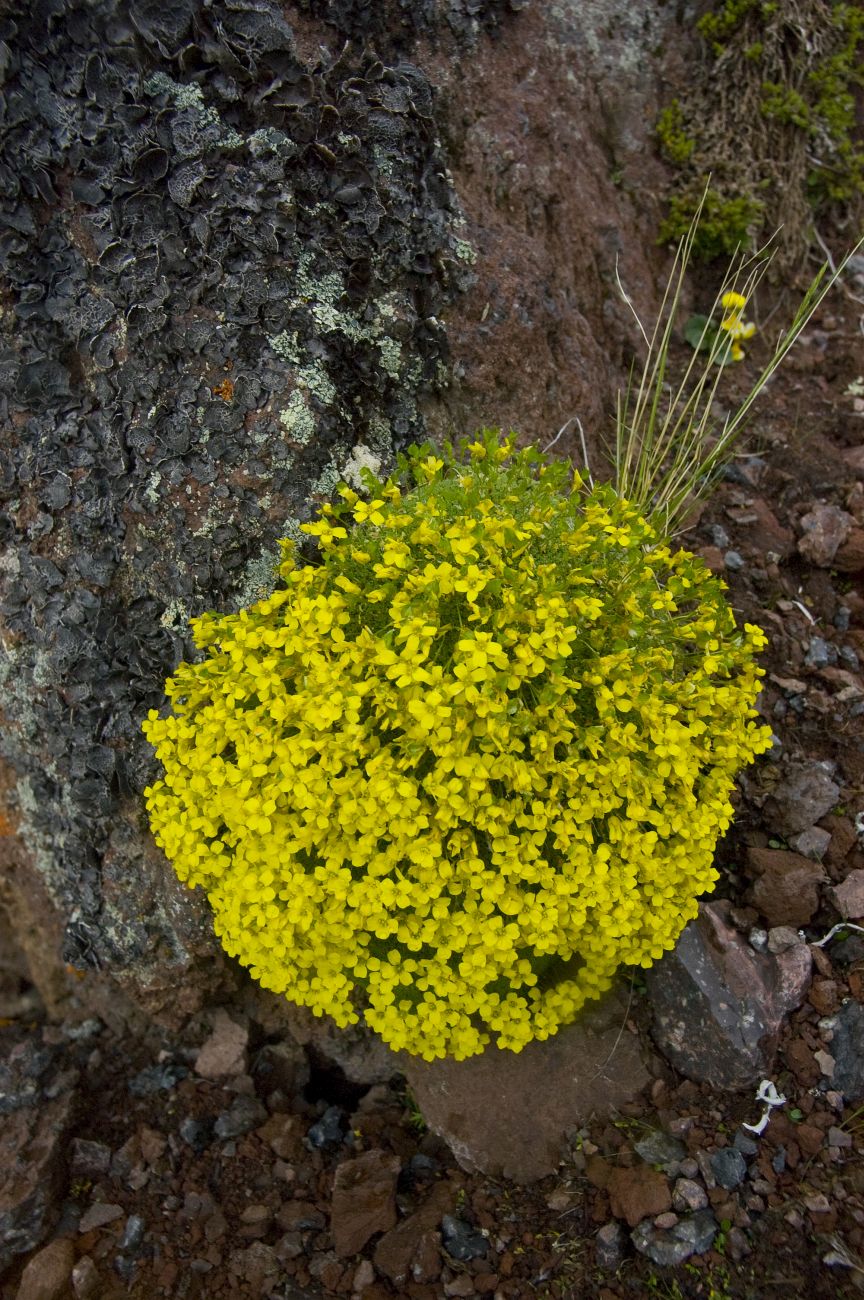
pixel 246 251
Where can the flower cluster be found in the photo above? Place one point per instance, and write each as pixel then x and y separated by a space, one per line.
pixel 455 775
pixel 733 305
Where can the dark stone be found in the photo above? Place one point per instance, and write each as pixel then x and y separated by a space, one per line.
pixel 157 1078
pixel 669 1247
pixel 460 1240
pixel 847 1048
pixel 658 1148
pixel 729 1167
pixel 609 1246
pixel 329 1130
pixel 244 1115
pixel 198 1133
pixel 801 799
pixel 718 1005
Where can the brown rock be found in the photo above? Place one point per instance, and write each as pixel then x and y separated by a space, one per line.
pixel 224 1052
pixel 282 1135
pixel 843 838
pixel 48 1274
pixel 849 897
pixel 787 888
pixel 825 529
pixel 85 1279
pixel 364 1200
pixel 396 1251
pixel 31 1173
pixel 850 556
pixel 801 799
pixel 718 1005
pixel 636 1193
pixel 507 1113
pixel 98 1215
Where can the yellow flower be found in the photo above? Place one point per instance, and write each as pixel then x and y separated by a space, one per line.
pixel 496 727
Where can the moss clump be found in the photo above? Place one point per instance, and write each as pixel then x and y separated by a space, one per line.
pixel 725 224
pixel 454 775
pixel 772 120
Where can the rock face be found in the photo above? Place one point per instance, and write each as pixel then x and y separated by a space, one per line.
pixel 244 253
pixel 718 1004
pixel 507 1113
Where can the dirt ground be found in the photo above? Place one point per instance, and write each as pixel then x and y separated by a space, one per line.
pixel 172 1184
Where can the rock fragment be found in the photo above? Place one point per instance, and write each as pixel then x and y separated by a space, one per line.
pixel 609 1246
pixel 636 1193
pixel 801 799
pixel 507 1114
pixel 671 1246
pixel 718 1005
pixel 48 1273
pixel 825 529
pixel 786 889
pixel 847 1048
pixel 849 896
pixel 364 1200
pixel 224 1052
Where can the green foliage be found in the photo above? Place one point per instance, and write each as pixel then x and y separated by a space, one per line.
pixel 676 144
pixel 459 772
pixel 726 224
pixel 772 120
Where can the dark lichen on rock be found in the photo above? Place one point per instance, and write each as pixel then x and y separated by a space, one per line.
pixel 225 266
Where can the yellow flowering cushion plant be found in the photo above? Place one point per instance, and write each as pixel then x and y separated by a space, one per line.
pixel 455 775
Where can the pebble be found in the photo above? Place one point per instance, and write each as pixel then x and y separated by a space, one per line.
pixel 243 1115
pixel 98 1215
pixel 198 1133
pixel 85 1279
pixel 609 1245
pixel 689 1168
pixel 329 1130
pixel 820 653
pixel 733 561
pixel 657 1148
pixel 133 1233
pixel 157 1078
pixel 669 1247
pixel 460 1240
pixel 737 1245
pixel 689 1195
pixel 838 1137
pixel 744 1143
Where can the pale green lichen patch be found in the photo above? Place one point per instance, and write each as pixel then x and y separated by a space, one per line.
pixel 287 346
pixel 362 457
pixel 465 252
pixel 297 419
pixel 391 356
pixel 188 95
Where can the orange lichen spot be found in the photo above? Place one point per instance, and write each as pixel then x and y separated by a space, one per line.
pixel 225 390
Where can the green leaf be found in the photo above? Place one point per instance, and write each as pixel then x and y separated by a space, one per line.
pixel 700 333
